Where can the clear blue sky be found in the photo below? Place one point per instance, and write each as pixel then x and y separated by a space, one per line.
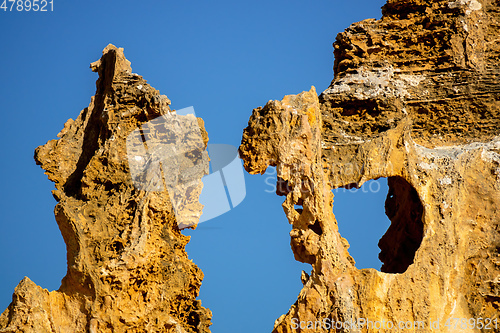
pixel 222 57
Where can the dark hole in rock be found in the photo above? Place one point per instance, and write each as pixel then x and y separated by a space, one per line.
pixel 117 246
pixel 108 186
pixel 316 228
pixel 282 187
pixel 361 108
pixel 404 236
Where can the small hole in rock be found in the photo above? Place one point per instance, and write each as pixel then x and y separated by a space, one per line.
pixel 316 228
pixel 117 246
pixel 282 187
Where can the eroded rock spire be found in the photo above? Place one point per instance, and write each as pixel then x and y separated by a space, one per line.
pixel 127 267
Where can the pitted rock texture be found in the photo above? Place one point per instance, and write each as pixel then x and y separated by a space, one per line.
pixel 127 267
pixel 433 62
pixel 415 98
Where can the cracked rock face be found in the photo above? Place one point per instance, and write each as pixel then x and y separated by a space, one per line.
pixel 416 99
pixel 127 267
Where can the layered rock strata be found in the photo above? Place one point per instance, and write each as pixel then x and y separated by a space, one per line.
pixel 127 267
pixel 415 98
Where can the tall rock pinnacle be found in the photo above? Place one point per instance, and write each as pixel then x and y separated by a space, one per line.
pixel 127 267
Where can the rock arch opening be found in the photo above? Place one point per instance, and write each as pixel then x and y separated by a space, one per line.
pixel 382 222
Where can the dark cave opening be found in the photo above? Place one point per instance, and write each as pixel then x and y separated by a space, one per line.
pixel 394 232
pixel 403 238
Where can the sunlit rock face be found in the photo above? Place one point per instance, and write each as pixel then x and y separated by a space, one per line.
pixel 127 267
pixel 415 98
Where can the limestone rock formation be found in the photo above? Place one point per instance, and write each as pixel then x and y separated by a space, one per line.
pixel 127 267
pixel 415 98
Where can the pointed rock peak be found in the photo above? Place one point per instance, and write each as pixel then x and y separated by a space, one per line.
pixel 113 57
